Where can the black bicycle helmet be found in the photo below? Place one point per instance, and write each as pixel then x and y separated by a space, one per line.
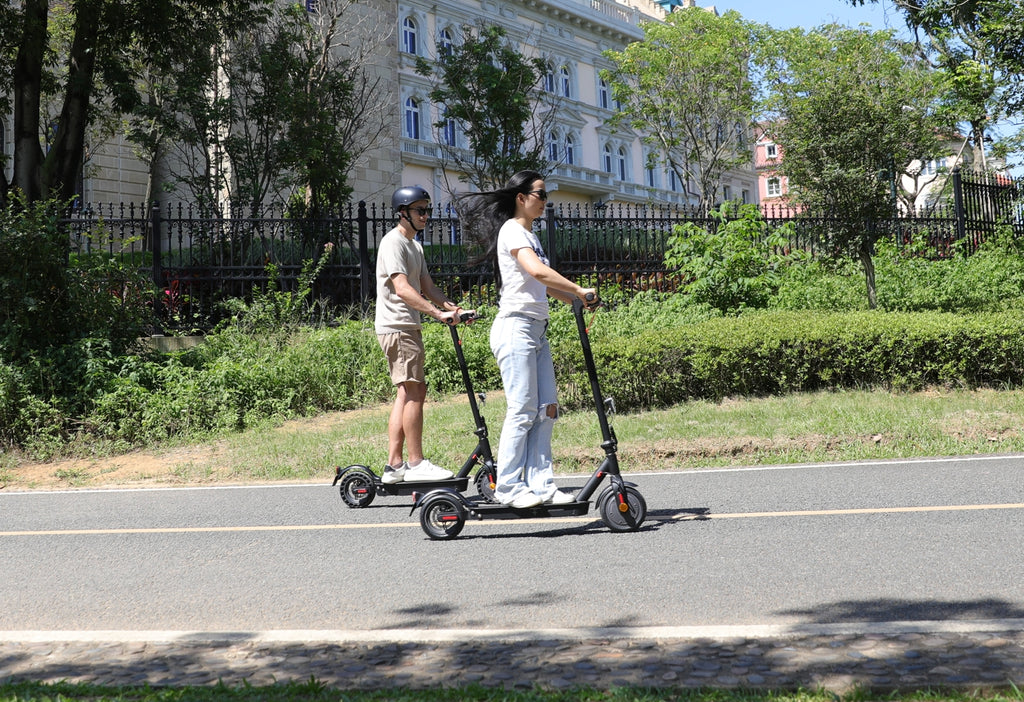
pixel 408 194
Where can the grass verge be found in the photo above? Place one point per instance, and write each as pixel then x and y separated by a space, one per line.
pixel 797 428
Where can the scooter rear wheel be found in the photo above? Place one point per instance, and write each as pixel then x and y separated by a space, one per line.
pixel 357 489
pixel 442 517
pixel 629 519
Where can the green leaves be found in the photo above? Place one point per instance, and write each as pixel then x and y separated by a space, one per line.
pixel 490 89
pixel 736 265
pixel 685 86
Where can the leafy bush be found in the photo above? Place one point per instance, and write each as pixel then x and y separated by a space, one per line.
pixel 739 265
pixel 273 310
pixel 768 353
pixel 989 280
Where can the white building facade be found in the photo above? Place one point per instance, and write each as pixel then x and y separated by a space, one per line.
pixel 591 162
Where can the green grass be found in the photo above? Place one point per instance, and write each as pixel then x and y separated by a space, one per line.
pixel 314 692
pixel 827 426
pixel 798 428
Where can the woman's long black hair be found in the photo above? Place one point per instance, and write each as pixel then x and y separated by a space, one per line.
pixel 482 214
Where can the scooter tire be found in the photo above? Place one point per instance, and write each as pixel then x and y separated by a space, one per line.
pixel 442 517
pixel 620 520
pixel 485 484
pixel 357 489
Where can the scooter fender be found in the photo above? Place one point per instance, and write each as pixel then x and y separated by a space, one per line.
pixel 339 471
pixel 418 499
pixel 613 487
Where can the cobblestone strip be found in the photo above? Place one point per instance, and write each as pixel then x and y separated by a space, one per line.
pixel 834 662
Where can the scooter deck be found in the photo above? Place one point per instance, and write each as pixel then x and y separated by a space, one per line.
pixel 479 509
pixel 408 488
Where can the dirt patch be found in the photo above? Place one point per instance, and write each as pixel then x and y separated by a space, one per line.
pixel 974 425
pixel 156 468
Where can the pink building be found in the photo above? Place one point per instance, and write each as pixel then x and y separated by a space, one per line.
pixel 772 186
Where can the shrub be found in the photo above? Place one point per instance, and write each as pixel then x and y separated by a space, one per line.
pixel 768 353
pixel 738 265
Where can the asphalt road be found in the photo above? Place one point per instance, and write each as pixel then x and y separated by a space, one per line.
pixel 931 539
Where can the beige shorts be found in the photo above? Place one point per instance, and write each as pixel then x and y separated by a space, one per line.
pixel 405 354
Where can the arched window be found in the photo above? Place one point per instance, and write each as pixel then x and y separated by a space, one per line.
pixel 412 119
pixel 608 164
pixel 570 150
pixel 673 181
pixel 444 43
pixel 450 133
pixel 621 161
pixel 651 175
pixel 565 81
pixel 409 39
pixel 549 81
pixel 552 146
pixel 603 95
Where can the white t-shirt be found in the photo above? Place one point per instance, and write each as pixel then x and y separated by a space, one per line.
pixel 397 254
pixel 520 291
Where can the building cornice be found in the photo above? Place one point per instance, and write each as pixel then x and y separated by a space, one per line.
pixel 616 22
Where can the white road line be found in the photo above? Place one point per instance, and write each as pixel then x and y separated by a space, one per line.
pixel 695 471
pixel 683 515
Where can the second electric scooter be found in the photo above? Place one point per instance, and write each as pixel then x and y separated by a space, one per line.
pixel 359 484
pixel 443 511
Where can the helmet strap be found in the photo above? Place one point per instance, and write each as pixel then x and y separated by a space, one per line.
pixel 404 214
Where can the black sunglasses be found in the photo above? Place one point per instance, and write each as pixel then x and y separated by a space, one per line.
pixel 421 211
pixel 542 194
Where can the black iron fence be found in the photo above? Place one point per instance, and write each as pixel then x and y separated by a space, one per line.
pixel 198 258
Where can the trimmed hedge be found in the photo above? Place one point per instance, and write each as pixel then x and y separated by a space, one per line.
pixel 770 353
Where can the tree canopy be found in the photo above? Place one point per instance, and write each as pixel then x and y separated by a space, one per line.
pixel 493 113
pixel 96 65
pixel 980 45
pixel 852 110
pixel 685 88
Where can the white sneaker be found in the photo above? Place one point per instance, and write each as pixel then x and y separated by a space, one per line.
pixel 390 476
pixel 425 471
pixel 527 499
pixel 560 498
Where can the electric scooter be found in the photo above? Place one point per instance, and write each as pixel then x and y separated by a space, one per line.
pixel 443 511
pixel 359 484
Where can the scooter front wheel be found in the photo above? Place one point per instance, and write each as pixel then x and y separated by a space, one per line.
pixel 626 513
pixel 357 488
pixel 485 484
pixel 442 517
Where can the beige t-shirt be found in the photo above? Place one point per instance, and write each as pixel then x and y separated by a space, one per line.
pixel 397 254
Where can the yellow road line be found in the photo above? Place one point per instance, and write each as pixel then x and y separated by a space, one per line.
pixel 687 516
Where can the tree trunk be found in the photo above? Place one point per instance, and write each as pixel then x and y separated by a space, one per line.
pixel 28 76
pixel 868 264
pixel 64 162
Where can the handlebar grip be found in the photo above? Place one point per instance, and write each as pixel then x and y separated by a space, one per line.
pixel 590 297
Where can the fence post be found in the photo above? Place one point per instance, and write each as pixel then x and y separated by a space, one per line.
pixel 365 281
pixel 154 226
pixel 549 218
pixel 958 205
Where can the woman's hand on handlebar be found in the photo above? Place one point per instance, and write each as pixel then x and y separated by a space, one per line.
pixel 589 297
